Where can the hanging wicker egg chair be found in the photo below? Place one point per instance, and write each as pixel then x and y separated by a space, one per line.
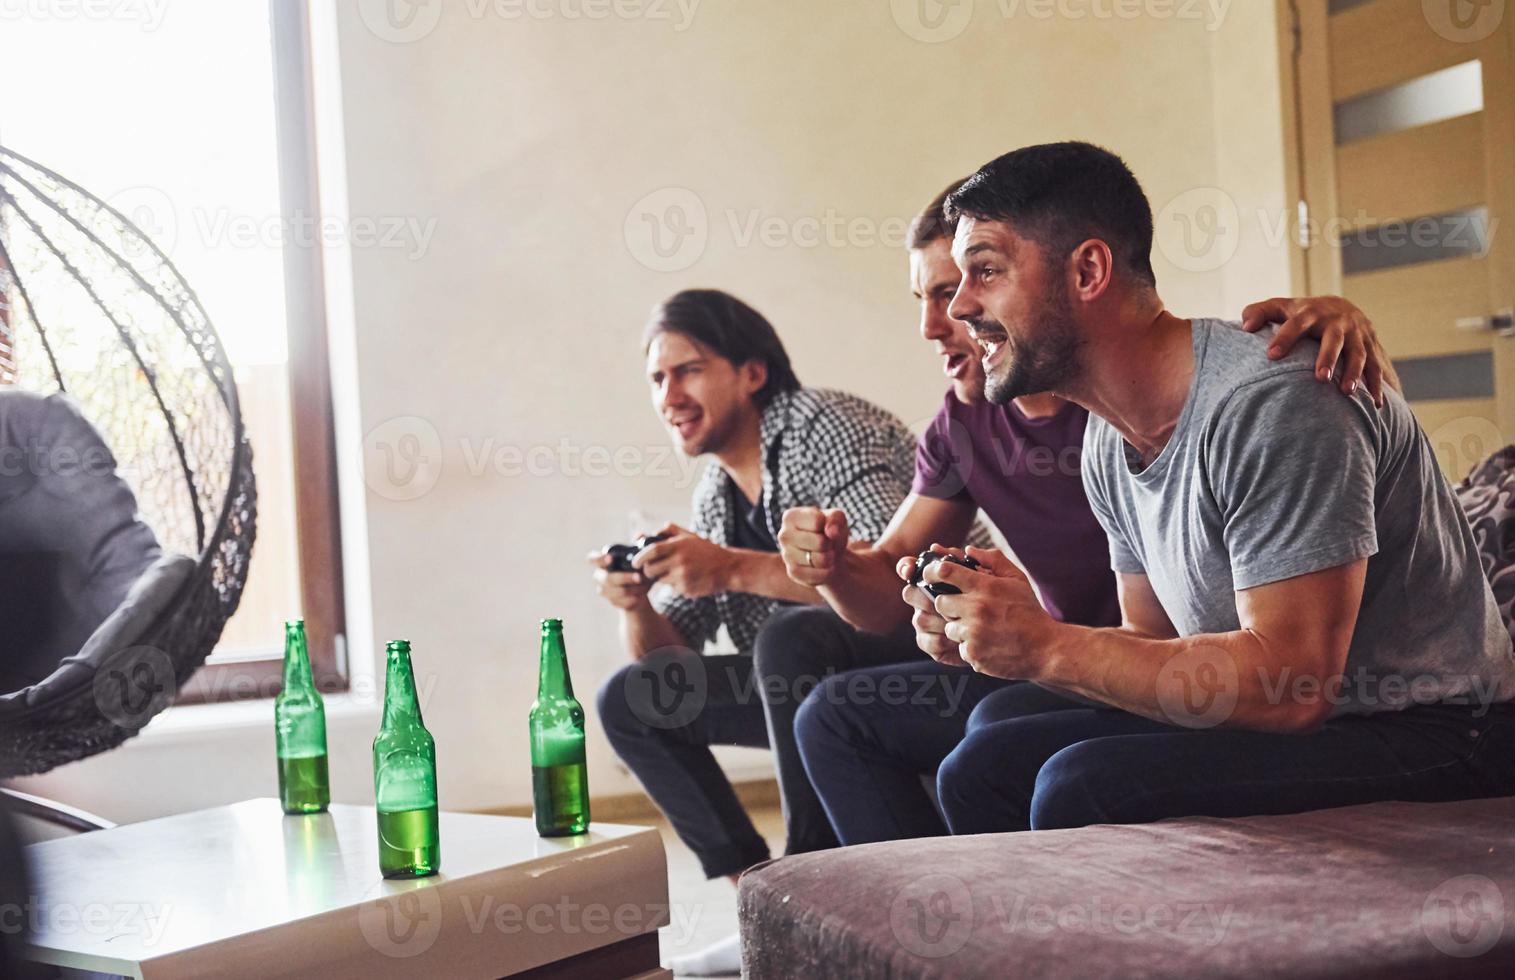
pixel 97 326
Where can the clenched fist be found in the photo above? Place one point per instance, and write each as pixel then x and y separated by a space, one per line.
pixel 812 542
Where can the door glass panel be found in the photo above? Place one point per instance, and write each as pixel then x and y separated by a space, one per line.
pixel 1454 91
pixel 1450 376
pixel 1415 240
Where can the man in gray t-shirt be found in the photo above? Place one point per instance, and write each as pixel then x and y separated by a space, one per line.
pixel 1267 477
pixel 1305 623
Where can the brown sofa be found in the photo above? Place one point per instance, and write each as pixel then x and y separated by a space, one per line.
pixel 1386 890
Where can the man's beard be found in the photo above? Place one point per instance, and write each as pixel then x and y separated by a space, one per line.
pixel 1037 366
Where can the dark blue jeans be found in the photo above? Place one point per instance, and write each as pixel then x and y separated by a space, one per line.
pixel 868 754
pixel 663 715
pixel 1100 765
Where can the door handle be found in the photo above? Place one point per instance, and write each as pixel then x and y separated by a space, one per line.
pixel 1501 322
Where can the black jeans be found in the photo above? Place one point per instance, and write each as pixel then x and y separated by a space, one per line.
pixel 663 714
pixel 869 758
pixel 1084 766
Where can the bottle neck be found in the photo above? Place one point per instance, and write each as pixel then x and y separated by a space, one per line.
pixel 296 662
pixel 552 677
pixel 401 706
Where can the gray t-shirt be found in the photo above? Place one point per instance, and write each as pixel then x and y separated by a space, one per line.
pixel 1272 474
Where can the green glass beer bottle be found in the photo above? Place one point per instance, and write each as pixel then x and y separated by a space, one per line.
pixel 559 778
pixel 405 776
pixel 300 730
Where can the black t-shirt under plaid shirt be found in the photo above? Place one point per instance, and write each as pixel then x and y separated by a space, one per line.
pixel 820 449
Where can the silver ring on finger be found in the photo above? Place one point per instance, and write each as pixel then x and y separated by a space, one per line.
pixel 810 559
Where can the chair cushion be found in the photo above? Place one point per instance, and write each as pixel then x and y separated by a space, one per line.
pixel 71 542
pixel 1383 890
pixel 1487 495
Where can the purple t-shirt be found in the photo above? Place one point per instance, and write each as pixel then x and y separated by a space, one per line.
pixel 1024 474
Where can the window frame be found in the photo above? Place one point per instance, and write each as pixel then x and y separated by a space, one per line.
pixel 313 437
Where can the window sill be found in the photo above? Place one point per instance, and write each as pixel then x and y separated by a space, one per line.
pixel 238 718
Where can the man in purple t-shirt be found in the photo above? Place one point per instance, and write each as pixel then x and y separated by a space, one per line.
pixel 868 736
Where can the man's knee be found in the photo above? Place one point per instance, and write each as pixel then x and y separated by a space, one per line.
pixel 799 642
pixel 819 720
pixel 962 778
pixel 1078 786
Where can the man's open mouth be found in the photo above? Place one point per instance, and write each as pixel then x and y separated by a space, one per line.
pixel 686 422
pixel 956 363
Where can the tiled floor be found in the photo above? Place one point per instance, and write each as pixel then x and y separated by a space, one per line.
pixel 704 912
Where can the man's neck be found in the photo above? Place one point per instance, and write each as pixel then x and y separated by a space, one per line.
pixel 742 456
pixel 1137 374
pixel 1042 406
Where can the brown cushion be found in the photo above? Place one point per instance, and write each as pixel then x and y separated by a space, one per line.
pixel 1385 890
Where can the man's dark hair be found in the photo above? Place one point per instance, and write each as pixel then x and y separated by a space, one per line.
pixel 1061 194
pixel 725 325
pixel 932 224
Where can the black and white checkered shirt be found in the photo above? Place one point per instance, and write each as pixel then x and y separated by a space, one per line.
pixel 820 449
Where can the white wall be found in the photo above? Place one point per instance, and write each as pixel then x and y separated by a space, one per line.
pixel 526 145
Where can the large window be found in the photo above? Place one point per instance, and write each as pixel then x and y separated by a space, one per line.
pixel 193 119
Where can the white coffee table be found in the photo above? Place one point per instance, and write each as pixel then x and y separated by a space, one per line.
pixel 244 891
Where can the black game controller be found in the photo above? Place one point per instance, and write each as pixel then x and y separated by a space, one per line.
pixel 621 555
pixel 928 558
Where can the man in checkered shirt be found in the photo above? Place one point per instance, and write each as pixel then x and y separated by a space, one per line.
pixel 723 384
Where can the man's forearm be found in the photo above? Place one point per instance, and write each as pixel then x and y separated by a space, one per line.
pixel 865 591
pixel 1228 680
pixel 762 573
pixel 644 629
